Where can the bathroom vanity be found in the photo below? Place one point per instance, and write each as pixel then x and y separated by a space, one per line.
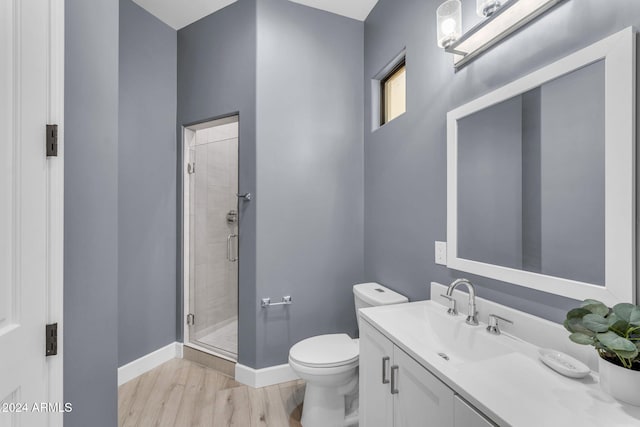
pixel 420 366
pixel 424 396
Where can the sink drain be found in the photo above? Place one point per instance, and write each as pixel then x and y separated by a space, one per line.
pixel 444 356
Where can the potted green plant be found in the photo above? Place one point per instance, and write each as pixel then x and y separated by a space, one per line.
pixel 615 334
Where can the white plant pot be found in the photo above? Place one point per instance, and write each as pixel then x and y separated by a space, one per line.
pixel 621 383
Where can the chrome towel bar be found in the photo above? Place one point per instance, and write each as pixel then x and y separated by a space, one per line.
pixel 266 302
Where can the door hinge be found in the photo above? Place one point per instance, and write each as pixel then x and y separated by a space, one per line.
pixel 191 168
pixel 52 141
pixel 191 319
pixel 51 339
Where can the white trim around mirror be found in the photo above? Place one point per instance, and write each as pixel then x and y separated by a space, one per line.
pixel 619 52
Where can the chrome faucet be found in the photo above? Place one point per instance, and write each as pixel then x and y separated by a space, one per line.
pixel 472 316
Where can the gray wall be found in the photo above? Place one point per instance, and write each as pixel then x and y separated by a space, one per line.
pixel 531 181
pixel 308 154
pixel 405 161
pixel 217 77
pixel 91 213
pixel 310 174
pixel 146 184
pixel 490 185
pixel 573 180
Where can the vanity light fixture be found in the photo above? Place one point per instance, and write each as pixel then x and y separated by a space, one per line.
pixel 449 22
pixel 505 18
pixel 486 8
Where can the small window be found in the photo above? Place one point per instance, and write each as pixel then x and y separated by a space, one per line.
pixel 393 93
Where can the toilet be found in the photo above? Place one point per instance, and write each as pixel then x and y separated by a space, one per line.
pixel 329 365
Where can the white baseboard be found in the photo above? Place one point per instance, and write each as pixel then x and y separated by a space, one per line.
pixel 148 362
pixel 179 350
pixel 257 378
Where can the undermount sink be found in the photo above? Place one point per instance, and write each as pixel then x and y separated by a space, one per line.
pixel 448 337
pixel 460 341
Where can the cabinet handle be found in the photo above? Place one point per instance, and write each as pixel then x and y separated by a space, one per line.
pixel 385 365
pixel 394 379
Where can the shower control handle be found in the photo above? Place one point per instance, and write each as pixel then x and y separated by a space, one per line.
pixel 230 257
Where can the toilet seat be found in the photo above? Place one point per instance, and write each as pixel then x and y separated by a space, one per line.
pixel 326 351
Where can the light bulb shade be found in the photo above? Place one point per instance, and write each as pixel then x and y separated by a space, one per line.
pixel 449 22
pixel 486 8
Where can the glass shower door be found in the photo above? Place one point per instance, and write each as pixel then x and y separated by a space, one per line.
pixel 214 233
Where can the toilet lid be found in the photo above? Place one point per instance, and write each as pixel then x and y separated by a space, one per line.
pixel 325 351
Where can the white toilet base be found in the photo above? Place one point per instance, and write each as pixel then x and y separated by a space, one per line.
pixel 326 400
pixel 323 407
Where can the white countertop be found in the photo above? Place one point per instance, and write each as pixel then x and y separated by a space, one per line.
pixel 513 389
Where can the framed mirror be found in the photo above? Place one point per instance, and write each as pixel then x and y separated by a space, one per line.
pixel 541 177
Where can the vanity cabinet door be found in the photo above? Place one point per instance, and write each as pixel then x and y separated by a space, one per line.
pixel 422 400
pixel 376 353
pixel 466 415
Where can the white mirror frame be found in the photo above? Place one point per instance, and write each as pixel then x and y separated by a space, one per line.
pixel 618 51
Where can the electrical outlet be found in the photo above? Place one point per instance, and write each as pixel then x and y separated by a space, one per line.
pixel 441 253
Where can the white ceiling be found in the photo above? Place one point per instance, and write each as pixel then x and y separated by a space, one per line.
pixel 178 14
pixel 356 9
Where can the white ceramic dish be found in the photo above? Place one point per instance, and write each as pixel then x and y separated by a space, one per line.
pixel 563 363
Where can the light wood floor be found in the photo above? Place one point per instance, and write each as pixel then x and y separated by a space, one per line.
pixel 182 393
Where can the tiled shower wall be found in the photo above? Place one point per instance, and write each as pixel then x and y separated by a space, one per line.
pixel 215 279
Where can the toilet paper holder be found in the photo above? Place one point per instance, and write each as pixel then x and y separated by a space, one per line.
pixel 266 302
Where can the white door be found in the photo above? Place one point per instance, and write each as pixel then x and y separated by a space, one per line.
pixel 376 353
pixel 28 199
pixel 422 400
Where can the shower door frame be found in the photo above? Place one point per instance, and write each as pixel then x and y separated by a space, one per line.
pixel 188 136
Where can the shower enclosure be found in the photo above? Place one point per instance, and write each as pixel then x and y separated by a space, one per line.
pixel 211 237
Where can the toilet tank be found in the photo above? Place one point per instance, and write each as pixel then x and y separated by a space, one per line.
pixel 374 294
